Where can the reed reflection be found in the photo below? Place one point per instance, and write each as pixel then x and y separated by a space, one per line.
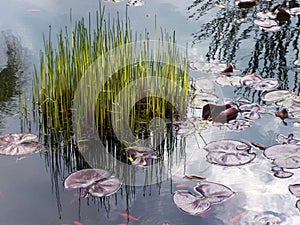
pixel 233 37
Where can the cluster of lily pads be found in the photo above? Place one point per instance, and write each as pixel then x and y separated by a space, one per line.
pixel 208 194
pixel 141 156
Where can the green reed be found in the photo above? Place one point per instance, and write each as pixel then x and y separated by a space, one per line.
pixel 65 62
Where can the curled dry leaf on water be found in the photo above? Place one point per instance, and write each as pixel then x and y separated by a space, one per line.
pixel 19 144
pixel 284 155
pixel 282 114
pixel 194 177
pixel 257 145
pixel 229 153
pixel 212 110
pixel 226 115
pixel 228 70
pixel 245 3
pixel 283 14
pixel 97 182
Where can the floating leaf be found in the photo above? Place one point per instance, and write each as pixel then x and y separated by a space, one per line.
pixel 282 97
pixel 238 125
pixel 282 14
pixel 201 99
pixel 190 203
pixel 295 11
pixel 228 70
pixel 193 177
pixel 245 3
pixel 295 189
pixel 224 80
pixel 213 192
pixel 297 62
pixel 206 67
pixel 135 3
pixel 282 114
pixel 229 153
pixel 298 204
pixel 212 110
pixel 105 187
pixel 226 115
pixel 266 23
pixel 141 156
pixel 19 144
pixel 97 182
pixel 287 140
pixel 285 156
pixel 257 82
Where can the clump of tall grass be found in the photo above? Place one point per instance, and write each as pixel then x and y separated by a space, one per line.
pixel 63 65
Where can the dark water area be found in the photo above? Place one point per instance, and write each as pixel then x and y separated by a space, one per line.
pixel 32 186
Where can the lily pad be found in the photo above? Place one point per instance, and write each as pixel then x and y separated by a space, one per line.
pixel 19 144
pixel 280 173
pixel 97 182
pixel 281 97
pixel 214 192
pixel 295 11
pixel 238 125
pixel 287 140
pixel 229 153
pixel 190 203
pixel 285 156
pixel 266 23
pixel 295 189
pixel 201 99
pixel 224 80
pixel 257 82
pixel 141 156
pixel 298 204
pixel 207 67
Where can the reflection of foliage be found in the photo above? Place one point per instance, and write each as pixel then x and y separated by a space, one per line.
pixel 10 74
pixel 232 29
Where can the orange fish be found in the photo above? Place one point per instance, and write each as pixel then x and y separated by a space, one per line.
pixel 130 217
pixel 236 218
pixel 77 223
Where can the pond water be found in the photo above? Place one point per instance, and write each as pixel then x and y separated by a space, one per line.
pixel 32 187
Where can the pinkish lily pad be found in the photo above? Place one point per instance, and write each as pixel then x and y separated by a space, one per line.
pixel 190 203
pixel 97 182
pixel 141 156
pixel 257 82
pixel 214 192
pixel 229 153
pixel 19 144
pixel 295 189
pixel 285 156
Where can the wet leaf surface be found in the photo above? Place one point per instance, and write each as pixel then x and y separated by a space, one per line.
pixel 285 156
pixel 290 139
pixel 224 80
pixel 190 203
pixel 141 156
pixel 295 189
pixel 257 82
pixel 214 192
pixel 19 144
pixel 238 125
pixel 97 182
pixel 207 67
pixel 229 153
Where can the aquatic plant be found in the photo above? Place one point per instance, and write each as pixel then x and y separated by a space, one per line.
pixel 111 45
pixel 19 144
pixel 97 182
pixel 209 193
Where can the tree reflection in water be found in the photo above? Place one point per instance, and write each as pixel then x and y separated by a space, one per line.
pixel 233 37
